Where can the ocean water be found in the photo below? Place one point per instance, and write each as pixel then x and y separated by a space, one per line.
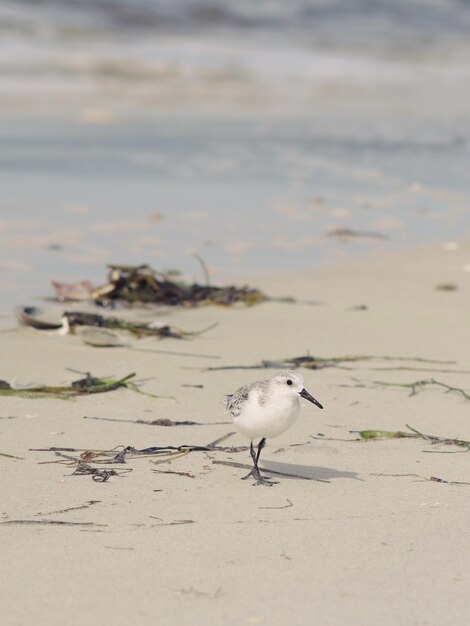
pixel 260 135
pixel 239 54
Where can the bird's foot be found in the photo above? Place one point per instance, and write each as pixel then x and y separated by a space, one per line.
pixel 250 474
pixel 259 480
pixel 265 481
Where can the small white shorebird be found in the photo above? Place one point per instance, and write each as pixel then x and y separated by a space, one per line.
pixel 267 408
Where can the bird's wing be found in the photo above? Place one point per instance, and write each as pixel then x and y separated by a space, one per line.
pixel 235 401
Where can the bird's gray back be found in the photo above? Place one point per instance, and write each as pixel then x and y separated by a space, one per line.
pixel 234 403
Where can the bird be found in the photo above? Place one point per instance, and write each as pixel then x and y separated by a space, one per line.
pixel 265 409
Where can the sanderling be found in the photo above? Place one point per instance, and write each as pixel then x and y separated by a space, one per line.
pixel 267 408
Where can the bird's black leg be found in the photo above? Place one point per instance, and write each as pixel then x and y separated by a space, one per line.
pixel 255 471
pixel 254 458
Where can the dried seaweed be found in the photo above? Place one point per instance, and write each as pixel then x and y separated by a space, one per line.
pixel 84 386
pixel 98 475
pixel 139 330
pixel 432 479
pixel 72 320
pixel 414 434
pixel 384 434
pixel 122 454
pixel 419 385
pixel 375 435
pixel 141 284
pixel 347 234
pixel 316 363
pixel 162 421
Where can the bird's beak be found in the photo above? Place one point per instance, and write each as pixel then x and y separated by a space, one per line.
pixel 305 394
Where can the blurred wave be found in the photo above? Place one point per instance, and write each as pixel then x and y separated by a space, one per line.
pixel 241 53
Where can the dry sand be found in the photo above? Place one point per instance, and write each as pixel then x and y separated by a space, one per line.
pixel 366 548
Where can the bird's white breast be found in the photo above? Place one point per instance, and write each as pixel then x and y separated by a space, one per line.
pixel 267 415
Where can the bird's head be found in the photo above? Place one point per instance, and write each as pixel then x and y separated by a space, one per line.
pixel 291 383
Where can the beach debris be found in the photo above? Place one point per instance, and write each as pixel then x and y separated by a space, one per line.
pixel 187 474
pixel 157 422
pixel 434 479
pixel 446 287
pixel 377 435
pixel 195 355
pixel 142 284
pixel 83 386
pixel 383 434
pixel 31 316
pixel 420 385
pixel 100 338
pixel 91 461
pixel 196 593
pixel 347 234
pixel 176 522
pixel 76 319
pixel 74 292
pixel 316 363
pixel 83 323
pixel 98 475
pixel 86 505
pixel 121 455
pixel 414 434
pixel 45 522
pixel 11 456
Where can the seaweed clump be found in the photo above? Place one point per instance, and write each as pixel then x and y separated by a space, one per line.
pixel 84 386
pixel 142 284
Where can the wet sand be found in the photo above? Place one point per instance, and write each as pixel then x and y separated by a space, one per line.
pixel 378 543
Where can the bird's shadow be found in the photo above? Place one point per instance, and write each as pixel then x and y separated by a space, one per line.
pixel 307 471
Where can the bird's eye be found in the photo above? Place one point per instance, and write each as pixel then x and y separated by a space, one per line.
pixel 289 382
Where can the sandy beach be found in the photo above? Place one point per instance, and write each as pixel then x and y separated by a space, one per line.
pixel 313 150
pixel 363 534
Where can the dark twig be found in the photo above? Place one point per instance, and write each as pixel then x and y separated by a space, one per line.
pixel 156 422
pixel 204 268
pixel 11 456
pixel 73 508
pixel 187 474
pixel 43 522
pixel 176 522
